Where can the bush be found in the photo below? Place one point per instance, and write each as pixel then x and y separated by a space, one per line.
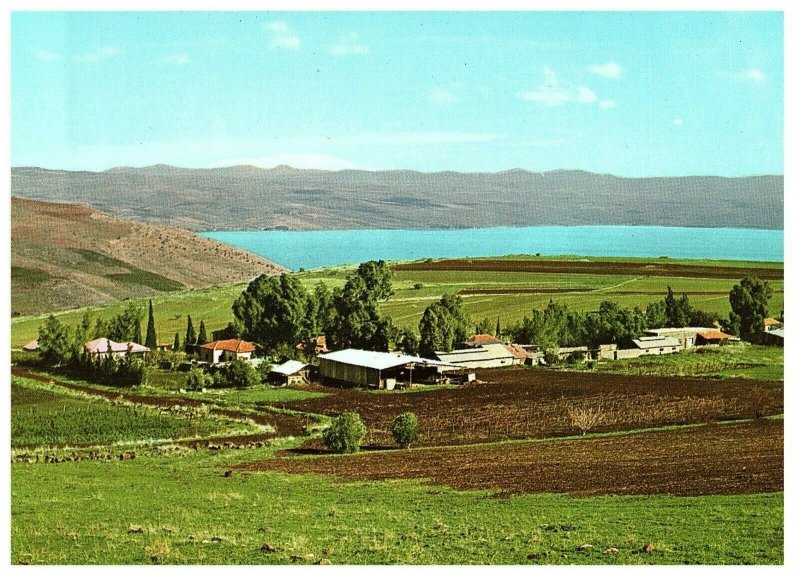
pixel 405 429
pixel 237 374
pixel 345 433
pixel 197 379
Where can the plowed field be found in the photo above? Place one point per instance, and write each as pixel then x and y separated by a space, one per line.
pixel 596 268
pixel 712 459
pixel 537 403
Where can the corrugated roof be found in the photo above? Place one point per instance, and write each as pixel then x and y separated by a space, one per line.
pixel 484 352
pixel 646 342
pixel 776 332
pixel 289 367
pixel 677 331
pixel 104 345
pixel 714 335
pixel 231 345
pixel 518 352
pixel 377 360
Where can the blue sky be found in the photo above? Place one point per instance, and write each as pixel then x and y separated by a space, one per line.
pixel 633 94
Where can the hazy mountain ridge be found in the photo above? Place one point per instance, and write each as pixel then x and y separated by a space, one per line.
pixel 247 197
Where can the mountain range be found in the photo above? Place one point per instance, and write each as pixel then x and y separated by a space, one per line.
pixel 250 198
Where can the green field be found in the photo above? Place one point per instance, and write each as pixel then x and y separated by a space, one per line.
pixel 46 415
pixel 414 290
pixel 182 510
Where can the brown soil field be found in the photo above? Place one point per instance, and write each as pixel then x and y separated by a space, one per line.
pixel 595 268
pixel 497 291
pixel 284 424
pixel 536 403
pixel 742 458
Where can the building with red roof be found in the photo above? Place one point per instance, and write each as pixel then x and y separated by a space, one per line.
pixel 226 350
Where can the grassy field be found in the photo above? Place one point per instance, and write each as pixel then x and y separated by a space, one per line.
pixel 181 510
pixel 49 416
pixel 414 290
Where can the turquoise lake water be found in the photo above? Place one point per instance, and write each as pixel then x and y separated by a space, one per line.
pixel 312 249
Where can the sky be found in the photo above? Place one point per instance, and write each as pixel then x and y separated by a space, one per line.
pixel 625 93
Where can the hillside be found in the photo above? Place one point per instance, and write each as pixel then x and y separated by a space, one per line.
pixel 66 256
pixel 249 198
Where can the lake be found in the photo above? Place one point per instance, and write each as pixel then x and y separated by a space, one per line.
pixel 313 249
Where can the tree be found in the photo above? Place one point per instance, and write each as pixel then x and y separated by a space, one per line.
pixel 497 330
pixel 197 379
pixel 202 338
pixel 176 344
pixel 405 429
pixel 240 374
pixel 408 341
pixel 443 324
pixel 191 337
pixel 126 326
pixel 345 433
pixel 151 340
pixel 232 330
pixel 749 301
pixel 614 324
pixel 484 326
pixel 273 310
pixel 356 319
pixel 677 310
pixel 55 345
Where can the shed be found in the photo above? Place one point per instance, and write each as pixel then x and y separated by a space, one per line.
pixel 713 338
pixel 289 373
pixel 686 337
pixel 381 369
pixel 655 345
pixel 483 356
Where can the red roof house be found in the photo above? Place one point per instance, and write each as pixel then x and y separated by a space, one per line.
pixel 226 350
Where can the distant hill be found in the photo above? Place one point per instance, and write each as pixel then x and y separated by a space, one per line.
pixel 67 256
pixel 246 197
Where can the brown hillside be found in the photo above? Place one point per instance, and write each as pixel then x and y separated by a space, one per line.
pixel 66 256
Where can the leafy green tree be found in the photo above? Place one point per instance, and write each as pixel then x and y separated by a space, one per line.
pixel 408 341
pixel 126 326
pixel 151 339
pixel 191 336
pixel 55 344
pixel 656 314
pixel 614 324
pixel 197 379
pixel 749 301
pixel 176 344
pixel 443 324
pixel 272 310
pixel 356 318
pixel 232 330
pixel 202 338
pixel 484 327
pixel 345 433
pixel 405 429
pixel 677 310
pixel 239 374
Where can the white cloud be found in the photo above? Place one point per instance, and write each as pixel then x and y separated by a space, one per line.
pixel 295 160
pixel 750 75
pixel 281 36
pixel 441 96
pixel 176 59
pixel 609 70
pixel 46 55
pixel 102 53
pixel 678 121
pixel 552 92
pixel 349 44
pixel 607 104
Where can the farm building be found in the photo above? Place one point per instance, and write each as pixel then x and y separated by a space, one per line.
pixel 317 345
pixel 521 355
pixel 383 369
pixel 31 346
pixel 225 351
pixel 483 356
pixel 657 345
pixel 773 337
pixel 479 340
pixel 772 324
pixel 578 353
pixel 101 347
pixel 686 337
pixel 289 373
pixel 713 338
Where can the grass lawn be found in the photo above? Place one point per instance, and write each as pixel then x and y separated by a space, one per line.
pixel 741 360
pixel 181 510
pixel 47 415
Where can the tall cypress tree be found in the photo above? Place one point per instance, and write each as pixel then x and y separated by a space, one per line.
pixel 176 345
pixel 151 340
pixel 191 337
pixel 497 328
pixel 137 335
pixel 201 337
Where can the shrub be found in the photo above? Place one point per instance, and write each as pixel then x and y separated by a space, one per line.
pixel 584 419
pixel 345 433
pixel 405 429
pixel 237 374
pixel 197 379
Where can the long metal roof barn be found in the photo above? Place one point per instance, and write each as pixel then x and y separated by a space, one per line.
pixel 378 360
